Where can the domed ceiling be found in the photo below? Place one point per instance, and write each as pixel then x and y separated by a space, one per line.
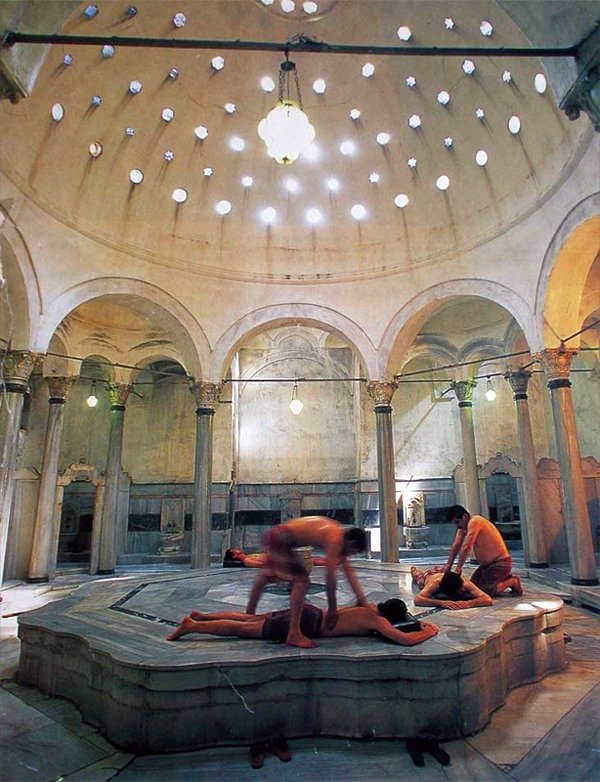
pixel 187 122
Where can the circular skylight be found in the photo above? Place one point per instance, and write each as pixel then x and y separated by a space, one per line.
pixel 167 114
pixel 448 142
pixel 319 86
pixel 131 11
pixel 468 67
pixel 173 74
pixel 291 185
pixel 287 6
pixel 374 177
pixel 311 153
pixel 207 171
pixel 383 138
pixel 57 112
pixel 68 59
pixel 229 108
pixel 404 33
pixel 486 29
pixel 514 124
pixel 136 175
pixel 107 51
pixel 333 184
pixel 95 149
pixel 201 132
pixel 358 212
pixel 442 182
pixel 479 113
pixel 247 181
pixel 347 147
pixel 540 84
pixel 368 69
pixel 354 114
pixel 129 131
pixel 401 200
pixel 223 207
pixel 218 63
pixel 179 195
pixel 414 121
pixel 179 20
pixel 90 11
pixel 313 216
pixel 96 101
pixel 267 84
pixel 169 155
pixel 481 157
pixel 237 144
pixel 269 215
pixel 411 82
pixel 310 7
pixel 443 97
pixel 135 87
pixel 506 77
pixel 412 162
pixel 448 23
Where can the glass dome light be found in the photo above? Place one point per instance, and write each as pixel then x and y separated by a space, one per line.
pixel 218 63
pixel 540 83
pixel 383 139
pixel 287 6
pixel 468 67
pixel 367 70
pixel 135 87
pixel 167 114
pixel 404 33
pixel 443 98
pixel 514 124
pixel 414 121
pixel 486 29
pixel 442 182
pixel 107 51
pixel 201 132
pixel 319 86
pixel 401 200
pixel 481 157
pixel 310 7
pixel 90 11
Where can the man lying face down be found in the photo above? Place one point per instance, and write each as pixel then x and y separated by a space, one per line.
pixel 447 590
pixel 274 626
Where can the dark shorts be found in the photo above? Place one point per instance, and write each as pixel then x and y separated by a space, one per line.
pixel 487 577
pixel 282 560
pixel 276 627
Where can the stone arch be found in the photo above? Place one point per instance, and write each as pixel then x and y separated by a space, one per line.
pixel 565 268
pixel 283 315
pixel 149 356
pixel 188 333
pixel 22 284
pixel 405 325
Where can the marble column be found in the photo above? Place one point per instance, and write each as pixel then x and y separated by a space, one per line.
pixel 40 565
pixel 463 390
pixel 17 366
pixel 206 396
pixel 536 554
pixel 108 529
pixel 557 363
pixel 382 393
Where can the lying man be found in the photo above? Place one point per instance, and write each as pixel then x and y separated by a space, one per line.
pixel 235 557
pixel 274 626
pixel 447 590
pixel 494 573
pixel 284 564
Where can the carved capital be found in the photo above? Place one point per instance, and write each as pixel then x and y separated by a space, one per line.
pixel 463 390
pixel 17 368
pixel 206 394
pixel 518 380
pixel 382 391
pixel 556 362
pixel 118 393
pixel 59 387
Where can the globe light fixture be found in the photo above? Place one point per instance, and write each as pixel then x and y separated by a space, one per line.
pixel 490 394
pixel 296 404
pixel 286 129
pixel 92 399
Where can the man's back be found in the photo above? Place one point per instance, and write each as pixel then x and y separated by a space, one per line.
pixel 489 544
pixel 316 531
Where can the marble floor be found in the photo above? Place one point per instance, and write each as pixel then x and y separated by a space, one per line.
pixel 546 731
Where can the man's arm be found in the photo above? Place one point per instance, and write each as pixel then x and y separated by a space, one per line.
pixel 473 529
pixel 425 597
pixel 477 598
pixel 454 548
pixel 354 582
pixel 388 631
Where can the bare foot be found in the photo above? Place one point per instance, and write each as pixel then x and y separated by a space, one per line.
pixel 197 616
pixel 182 629
pixel 301 641
pixel 516 588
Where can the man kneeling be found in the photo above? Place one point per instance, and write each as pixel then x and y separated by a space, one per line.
pixel 274 626
pixel 448 590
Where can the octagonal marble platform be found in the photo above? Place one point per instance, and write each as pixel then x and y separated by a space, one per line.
pixel 104 648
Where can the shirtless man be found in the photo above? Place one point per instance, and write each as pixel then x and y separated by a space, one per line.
pixel 284 564
pixel 494 573
pixel 352 620
pixel 237 556
pixel 450 591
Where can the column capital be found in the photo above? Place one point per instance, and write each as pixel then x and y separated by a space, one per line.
pixel 59 387
pixel 18 366
pixel 382 392
pixel 518 380
pixel 556 362
pixel 118 393
pixel 463 390
pixel 206 394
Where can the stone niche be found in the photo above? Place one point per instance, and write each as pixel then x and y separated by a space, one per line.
pixel 416 533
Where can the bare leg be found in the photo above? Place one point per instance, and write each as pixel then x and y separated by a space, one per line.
pixel 418 576
pixel 295 636
pixel 234 616
pixel 260 582
pixel 513 583
pixel 252 629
